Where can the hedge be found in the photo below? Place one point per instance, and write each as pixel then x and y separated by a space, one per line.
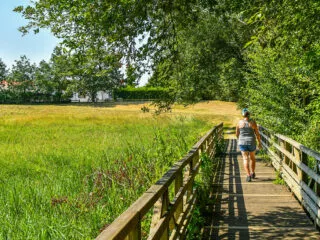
pixel 146 93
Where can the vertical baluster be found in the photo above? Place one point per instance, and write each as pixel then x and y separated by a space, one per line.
pixel 280 154
pixel 317 190
pixel 178 185
pixel 288 147
pixel 159 209
pixel 135 233
pixel 301 156
pixel 165 205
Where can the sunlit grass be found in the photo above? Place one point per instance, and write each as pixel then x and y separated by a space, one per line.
pixel 65 171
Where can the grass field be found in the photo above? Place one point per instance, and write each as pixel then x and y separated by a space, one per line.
pixel 65 171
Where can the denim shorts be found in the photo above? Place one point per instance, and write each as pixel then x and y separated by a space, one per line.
pixel 247 148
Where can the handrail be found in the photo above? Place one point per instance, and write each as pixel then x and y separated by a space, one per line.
pixel 170 217
pixel 299 166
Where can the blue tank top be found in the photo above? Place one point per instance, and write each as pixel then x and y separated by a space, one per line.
pixel 247 135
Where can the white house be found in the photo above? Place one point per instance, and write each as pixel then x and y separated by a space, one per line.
pixel 102 96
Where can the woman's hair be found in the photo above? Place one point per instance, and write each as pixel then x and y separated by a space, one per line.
pixel 245 112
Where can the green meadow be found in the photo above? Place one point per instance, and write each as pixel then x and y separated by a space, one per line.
pixel 68 171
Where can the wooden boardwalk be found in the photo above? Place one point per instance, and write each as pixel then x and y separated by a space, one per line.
pixel 252 210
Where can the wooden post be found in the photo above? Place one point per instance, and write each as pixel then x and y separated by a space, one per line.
pixel 164 209
pixel 135 234
pixel 280 154
pixel 288 147
pixel 300 156
pixel 317 189
pixel 178 185
pixel 159 209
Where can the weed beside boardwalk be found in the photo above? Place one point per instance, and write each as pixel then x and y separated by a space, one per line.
pixel 66 171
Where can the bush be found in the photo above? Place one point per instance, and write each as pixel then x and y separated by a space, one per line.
pixel 147 93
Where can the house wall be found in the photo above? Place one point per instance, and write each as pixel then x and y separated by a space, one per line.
pixel 101 97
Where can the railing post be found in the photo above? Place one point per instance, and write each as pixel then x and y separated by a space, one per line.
pixel 317 190
pixel 160 208
pixel 290 164
pixel 280 154
pixel 211 143
pixel 135 234
pixel 178 185
pixel 301 156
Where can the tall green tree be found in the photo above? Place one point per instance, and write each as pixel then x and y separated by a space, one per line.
pixel 61 72
pixel 94 70
pixel 44 78
pixel 85 24
pixel 3 70
pixel 283 59
pixel 21 78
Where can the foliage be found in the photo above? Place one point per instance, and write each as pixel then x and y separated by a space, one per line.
pixel 141 93
pixel 22 76
pixel 3 70
pixel 204 187
pixel 183 42
pixel 263 54
pixel 279 180
pixel 283 61
pixel 44 78
pixel 95 70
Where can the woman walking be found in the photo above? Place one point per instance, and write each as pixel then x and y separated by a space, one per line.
pixel 247 132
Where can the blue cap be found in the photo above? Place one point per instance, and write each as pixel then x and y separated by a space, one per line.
pixel 244 111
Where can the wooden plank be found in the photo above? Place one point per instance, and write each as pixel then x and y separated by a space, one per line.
pixel 276 161
pixel 188 215
pixel 289 140
pixel 178 187
pixel 122 226
pixel 307 201
pixel 301 147
pixel 300 164
pixel 179 230
pixel 159 211
pixel 310 152
pixel 311 193
pixel 135 234
pixel 163 222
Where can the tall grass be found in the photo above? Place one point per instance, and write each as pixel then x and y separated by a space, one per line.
pixel 66 171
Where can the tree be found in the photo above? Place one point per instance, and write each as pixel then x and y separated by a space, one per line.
pixel 61 72
pixel 94 70
pixel 85 24
pixel 21 79
pixel 3 70
pixel 283 59
pixel 266 54
pixel 44 78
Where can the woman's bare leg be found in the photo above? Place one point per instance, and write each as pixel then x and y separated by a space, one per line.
pixel 245 156
pixel 253 161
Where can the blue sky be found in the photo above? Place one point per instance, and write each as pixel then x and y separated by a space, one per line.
pixel 36 47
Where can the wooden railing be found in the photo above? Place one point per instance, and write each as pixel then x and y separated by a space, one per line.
pixel 298 166
pixel 170 217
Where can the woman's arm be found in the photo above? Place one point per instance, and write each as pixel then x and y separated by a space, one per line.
pixel 237 131
pixel 256 131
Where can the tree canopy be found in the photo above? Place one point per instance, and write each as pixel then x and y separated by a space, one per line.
pixel 263 54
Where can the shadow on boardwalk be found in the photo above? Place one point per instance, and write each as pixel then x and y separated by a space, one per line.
pixel 255 210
